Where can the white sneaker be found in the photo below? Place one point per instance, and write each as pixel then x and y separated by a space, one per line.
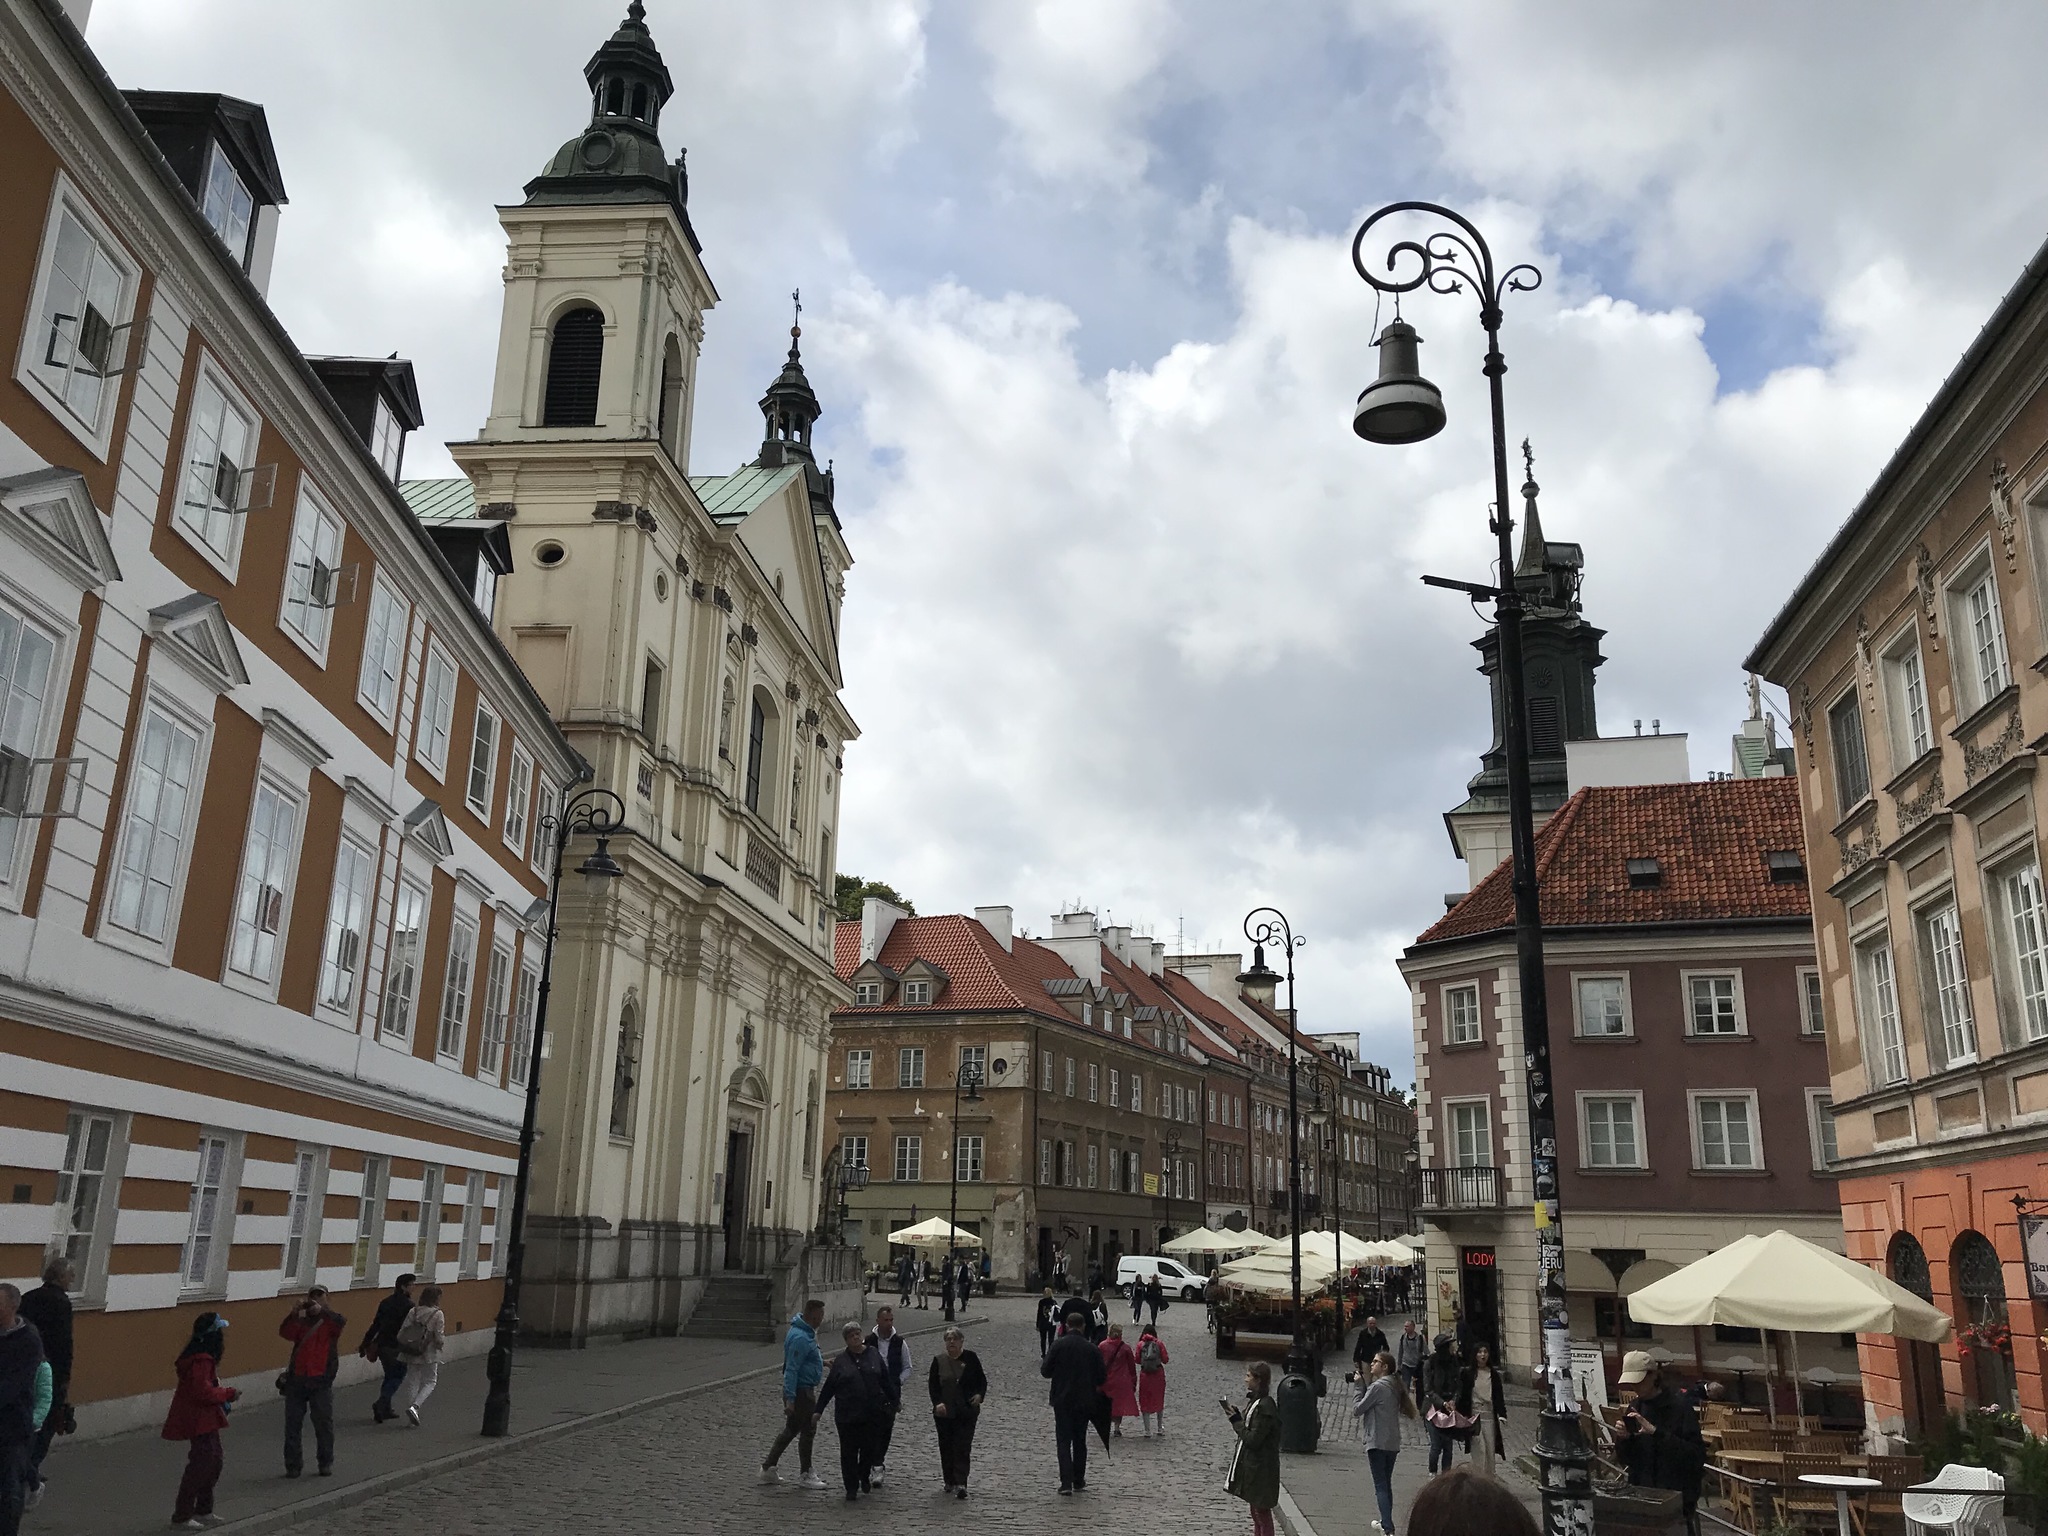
pixel 810 1480
pixel 412 1415
pixel 34 1496
pixel 875 1475
pixel 770 1474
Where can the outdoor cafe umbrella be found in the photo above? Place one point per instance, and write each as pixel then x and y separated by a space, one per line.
pixel 935 1233
pixel 1780 1281
pixel 1203 1242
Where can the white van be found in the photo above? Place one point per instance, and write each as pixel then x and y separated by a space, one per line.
pixel 1175 1278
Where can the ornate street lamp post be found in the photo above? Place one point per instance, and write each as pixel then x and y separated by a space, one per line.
pixel 1402 406
pixel 602 814
pixel 1332 1176
pixel 969 1077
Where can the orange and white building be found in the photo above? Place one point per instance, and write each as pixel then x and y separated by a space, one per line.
pixel 270 787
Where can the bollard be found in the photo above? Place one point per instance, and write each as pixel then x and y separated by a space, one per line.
pixel 1299 1424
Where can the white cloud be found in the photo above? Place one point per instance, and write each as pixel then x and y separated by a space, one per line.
pixel 1068 77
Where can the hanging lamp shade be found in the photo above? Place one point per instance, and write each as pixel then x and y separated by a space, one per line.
pixel 1400 406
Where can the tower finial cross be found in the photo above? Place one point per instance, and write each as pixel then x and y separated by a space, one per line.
pixel 796 324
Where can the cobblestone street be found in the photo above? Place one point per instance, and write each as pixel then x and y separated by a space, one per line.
pixel 691 1467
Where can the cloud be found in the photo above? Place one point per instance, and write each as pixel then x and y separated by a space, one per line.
pixel 1068 77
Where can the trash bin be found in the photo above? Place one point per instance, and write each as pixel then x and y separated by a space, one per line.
pixel 1300 1426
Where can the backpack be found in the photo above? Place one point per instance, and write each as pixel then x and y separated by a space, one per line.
pixel 412 1337
pixel 1148 1357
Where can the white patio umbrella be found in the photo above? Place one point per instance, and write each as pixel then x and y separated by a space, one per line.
pixel 1388 1250
pixel 935 1233
pixel 1205 1243
pixel 1266 1266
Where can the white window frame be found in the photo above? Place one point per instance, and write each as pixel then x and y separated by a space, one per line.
pixel 1607 1097
pixel 917 992
pixel 1849 706
pixel 490 1052
pixel 1452 1150
pixel 1877 1008
pixel 33 731
pixel 482 804
pixel 195 528
pixel 1695 1098
pixel 1580 979
pixel 224 184
pixel 1739 1007
pixel 129 935
pixel 366 1251
pixel 387 439
pixel 302 1218
pixel 853 1150
pixel 426 1235
pixel 1116 1088
pixel 336 960
pixel 458 988
pixel 472 1225
pixel 2022 935
pixel 1909 713
pixel 1946 976
pixel 1451 1027
pixel 518 799
pixel 967 1152
pixel 399 999
pixel 1820 1109
pixel 318 538
pixel 910 1066
pixel 387 626
pixel 908 1166
pixel 203 1272
pixel 96 432
pixel 247 933
pixel 434 727
pixel 90 1262
pixel 1813 1019
pixel 860 1069
pixel 525 994
pixel 867 994
pixel 1980 656
pixel 543 843
pixel 1094 1083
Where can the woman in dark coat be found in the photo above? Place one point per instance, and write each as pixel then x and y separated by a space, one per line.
pixel 958 1384
pixel 1255 1467
pixel 1447 1401
pixel 1482 1362
pixel 199 1412
pixel 857 1387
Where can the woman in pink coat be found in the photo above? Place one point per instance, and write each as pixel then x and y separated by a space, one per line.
pixel 1152 1358
pixel 1120 1369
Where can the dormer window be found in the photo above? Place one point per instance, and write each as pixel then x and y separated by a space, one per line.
pixel 227 205
pixel 484 589
pixel 915 992
pixel 1786 866
pixel 1644 874
pixel 387 440
pixel 867 994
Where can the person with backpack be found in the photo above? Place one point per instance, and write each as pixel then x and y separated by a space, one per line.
pixel 421 1341
pixel 1152 1362
pixel 198 1413
pixel 1120 1368
pixel 380 1344
pixel 307 1381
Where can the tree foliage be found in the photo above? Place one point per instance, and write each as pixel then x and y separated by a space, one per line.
pixel 850 891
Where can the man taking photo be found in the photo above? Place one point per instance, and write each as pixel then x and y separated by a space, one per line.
pixel 314 1329
pixel 1658 1439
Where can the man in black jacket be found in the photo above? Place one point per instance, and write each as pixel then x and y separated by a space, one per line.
pixel 1371 1341
pixel 1658 1439
pixel 1048 1321
pixel 380 1343
pixel 48 1307
pixel 1074 1367
pixel 893 1351
pixel 858 1391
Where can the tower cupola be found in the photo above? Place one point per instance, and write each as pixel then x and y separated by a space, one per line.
pixel 790 408
pixel 628 81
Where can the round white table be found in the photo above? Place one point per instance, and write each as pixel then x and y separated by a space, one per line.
pixel 1844 1485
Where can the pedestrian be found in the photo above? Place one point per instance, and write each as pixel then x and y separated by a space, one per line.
pixel 1462 1331
pixel 1447 1396
pixel 924 1285
pixel 1120 1378
pixel 199 1412
pixel 1408 1356
pixel 893 1350
pixel 1462 1502
pixel 858 1391
pixel 421 1341
pixel 958 1385
pixel 1658 1438
pixel 1137 1300
pixel 1074 1367
pixel 1155 1297
pixel 315 1330
pixel 966 1281
pixel 1489 1408
pixel 1048 1321
pixel 380 1344
pixel 1381 1404
pixel 48 1309
pixel 906 1279
pixel 1255 1465
pixel 803 1372
pixel 1152 1363
pixel 27 1390
pixel 1371 1341
pixel 1098 1317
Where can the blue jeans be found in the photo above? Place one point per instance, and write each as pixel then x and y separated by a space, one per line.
pixel 1442 1445
pixel 394 1376
pixel 13 1483
pixel 1382 1464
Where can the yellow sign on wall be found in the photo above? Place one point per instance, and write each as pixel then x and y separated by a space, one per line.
pixel 1151 1183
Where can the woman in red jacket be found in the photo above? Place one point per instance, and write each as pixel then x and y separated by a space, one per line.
pixel 1121 1379
pixel 198 1413
pixel 1152 1358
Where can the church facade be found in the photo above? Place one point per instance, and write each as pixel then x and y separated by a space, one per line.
pixel 683 631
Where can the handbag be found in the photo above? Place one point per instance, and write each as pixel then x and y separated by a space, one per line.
pixel 1447 1417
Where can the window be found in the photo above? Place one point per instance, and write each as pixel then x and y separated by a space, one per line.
pixel 402 964
pixel 1820 1112
pixel 341 950
pixel 483 589
pixel 910 1067
pixel 651 684
pixel 1878 1000
pixel 917 992
pixel 1986 673
pixel 1716 1003
pixel 975 1057
pixel 227 204
pixel 575 362
pixel 1116 1170
pixel 1094 1082
pixel 455 990
pixel 860 1069
pixel 757 740
pixel 967 1152
pixel 312 576
pixel 1094 1165
pixel 518 790
pixel 220 450
pixel 472 1225
pixel 490 1055
pixel 364 1263
pixel 1812 1016
pixel 1852 762
pixel 1116 1080
pixel 543 812
pixel 1045 1074
pixel 522 1024
pixel 1941 937
pixel 81 341
pixel 1611 1139
pixel 209 1224
pixel 383 652
pixel 1044 1161
pixel 1461 1015
pixel 1603 1006
pixel 387 442
pixel 483 761
pixel 1069 1077
pixel 426 1243
pixel 27 654
pixel 437 712
pixel 1070 1174
pixel 2027 947
pixel 153 836
pixel 266 877
pixel 1725 1131
pixel 853 1151
pixel 82 1187
pixel 625 1063
pixel 1905 681
pixel 867 994
pixel 909 1159
pixel 1471 1135
pixel 302 1219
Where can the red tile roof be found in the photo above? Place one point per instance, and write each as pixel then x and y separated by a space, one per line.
pixel 1709 839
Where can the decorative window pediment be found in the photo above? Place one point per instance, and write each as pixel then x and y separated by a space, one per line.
pixel 53 512
pixel 426 826
pixel 197 633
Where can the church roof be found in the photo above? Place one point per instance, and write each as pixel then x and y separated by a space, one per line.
pixel 729 498
pixel 450 500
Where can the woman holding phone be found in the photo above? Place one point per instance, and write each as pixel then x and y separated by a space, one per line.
pixel 1381 1405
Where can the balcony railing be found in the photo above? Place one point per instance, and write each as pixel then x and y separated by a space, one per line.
pixel 1458 1189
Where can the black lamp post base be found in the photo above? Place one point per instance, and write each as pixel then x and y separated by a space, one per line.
pixel 498 1399
pixel 1567 1462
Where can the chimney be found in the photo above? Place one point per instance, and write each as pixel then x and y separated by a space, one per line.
pixel 1078 922
pixel 1158 965
pixel 877 919
pixel 1118 939
pixel 1075 940
pixel 999 921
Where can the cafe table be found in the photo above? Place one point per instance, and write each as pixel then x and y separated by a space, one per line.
pixel 1844 1485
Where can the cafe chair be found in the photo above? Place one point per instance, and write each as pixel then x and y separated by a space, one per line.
pixel 1960 1501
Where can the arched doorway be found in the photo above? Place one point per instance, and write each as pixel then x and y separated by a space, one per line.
pixel 1922 1399
pixel 1978 1280
pixel 746 1102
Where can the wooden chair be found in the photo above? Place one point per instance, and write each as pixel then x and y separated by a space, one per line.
pixel 1742 1496
pixel 1884 1510
pixel 1746 1440
pixel 1798 1503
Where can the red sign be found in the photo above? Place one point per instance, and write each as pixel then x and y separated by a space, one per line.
pixel 1478 1258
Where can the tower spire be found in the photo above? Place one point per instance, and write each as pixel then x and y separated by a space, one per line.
pixel 1534 549
pixel 790 408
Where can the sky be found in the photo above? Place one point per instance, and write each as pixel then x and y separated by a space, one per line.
pixel 1135 621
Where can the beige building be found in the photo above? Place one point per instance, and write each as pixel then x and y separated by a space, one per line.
pixel 683 629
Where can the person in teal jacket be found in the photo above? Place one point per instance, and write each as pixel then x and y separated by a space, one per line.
pixel 803 1371
pixel 26 1390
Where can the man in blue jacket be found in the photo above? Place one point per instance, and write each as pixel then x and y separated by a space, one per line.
pixel 803 1371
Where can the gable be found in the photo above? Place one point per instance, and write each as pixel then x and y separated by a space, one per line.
pixel 198 634
pixel 52 511
pixel 778 533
